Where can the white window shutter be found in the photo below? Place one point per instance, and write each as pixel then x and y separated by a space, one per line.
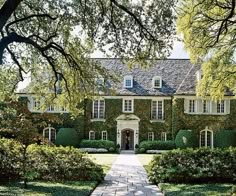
pixel 227 106
pixel 186 105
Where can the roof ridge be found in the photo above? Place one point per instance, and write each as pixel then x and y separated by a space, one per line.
pixel 185 78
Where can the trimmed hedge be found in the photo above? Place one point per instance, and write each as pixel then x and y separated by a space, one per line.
pixel 200 165
pixel 186 139
pixel 109 145
pixel 47 163
pixel 225 138
pixel 67 137
pixel 156 145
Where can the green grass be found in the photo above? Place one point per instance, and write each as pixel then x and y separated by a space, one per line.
pixel 145 159
pixel 48 188
pixel 196 189
pixel 105 160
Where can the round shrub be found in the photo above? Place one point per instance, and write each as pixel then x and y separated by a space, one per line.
pixel 111 149
pixel 225 138
pixel 67 137
pixel 142 150
pixel 186 139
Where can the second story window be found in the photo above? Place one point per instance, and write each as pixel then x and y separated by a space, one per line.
pixel 128 81
pixel 128 105
pixel 36 104
pixel 220 107
pixel 157 110
pixel 192 106
pixel 206 106
pixel 98 109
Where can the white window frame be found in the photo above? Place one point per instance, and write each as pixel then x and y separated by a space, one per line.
pixel 208 105
pixel 194 106
pixel 163 136
pixel 132 105
pixel 104 132
pixel 50 129
pixel 157 110
pixel 205 131
pixel 99 103
pixel 160 81
pixel 90 134
pixel 221 103
pixel 129 77
pixel 150 136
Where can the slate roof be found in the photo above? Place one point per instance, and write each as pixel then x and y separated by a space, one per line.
pixel 178 77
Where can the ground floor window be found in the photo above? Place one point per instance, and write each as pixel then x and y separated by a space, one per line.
pixel 163 136
pixel 150 136
pixel 50 133
pixel 104 135
pixel 92 135
pixel 206 138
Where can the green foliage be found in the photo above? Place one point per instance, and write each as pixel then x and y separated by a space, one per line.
pixel 142 150
pixel 225 138
pixel 48 163
pixel 209 38
pixel 157 145
pixel 67 137
pixel 200 165
pixel 97 144
pixel 186 139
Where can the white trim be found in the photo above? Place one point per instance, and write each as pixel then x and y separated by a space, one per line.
pixel 128 77
pixel 50 129
pixel 132 105
pixel 98 118
pixel 139 97
pixel 162 110
pixel 163 135
pixel 103 134
pixel 90 135
pixel 152 136
pixel 157 78
pixel 205 136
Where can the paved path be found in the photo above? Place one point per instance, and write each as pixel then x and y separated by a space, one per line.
pixel 126 177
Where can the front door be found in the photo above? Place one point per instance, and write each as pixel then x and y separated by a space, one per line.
pixel 127 140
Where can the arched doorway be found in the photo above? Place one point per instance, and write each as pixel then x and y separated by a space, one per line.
pixel 206 138
pixel 127 139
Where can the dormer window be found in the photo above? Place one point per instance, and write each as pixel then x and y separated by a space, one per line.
pixel 157 82
pixel 128 82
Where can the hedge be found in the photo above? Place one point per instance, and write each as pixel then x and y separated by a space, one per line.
pixel 186 139
pixel 156 145
pixel 190 166
pixel 107 144
pixel 47 163
pixel 225 138
pixel 67 137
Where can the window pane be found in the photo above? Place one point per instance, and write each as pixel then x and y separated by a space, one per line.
pixel 191 105
pixel 202 137
pixel 95 109
pixel 206 106
pixel 128 83
pixel 154 109
pixel 53 135
pixel 104 135
pixel 128 105
pixel 159 109
pixel 92 135
pixel 46 133
pixel 150 136
pixel 163 136
pixel 101 108
pixel 220 107
pixel 157 83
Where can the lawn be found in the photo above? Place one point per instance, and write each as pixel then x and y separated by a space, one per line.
pixel 48 188
pixel 145 159
pixel 105 160
pixel 197 189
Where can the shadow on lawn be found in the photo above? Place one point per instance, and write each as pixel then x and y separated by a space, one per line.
pixel 49 188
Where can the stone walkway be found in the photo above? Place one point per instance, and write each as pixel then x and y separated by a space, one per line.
pixel 126 177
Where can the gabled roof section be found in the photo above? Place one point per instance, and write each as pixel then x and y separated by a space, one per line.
pixel 178 75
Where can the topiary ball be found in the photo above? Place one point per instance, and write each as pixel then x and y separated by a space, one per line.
pixel 67 137
pixel 225 138
pixel 186 139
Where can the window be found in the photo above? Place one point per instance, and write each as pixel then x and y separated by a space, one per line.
pixel 128 82
pixel 163 136
pixel 220 107
pixel 92 135
pixel 206 106
pixel 192 105
pixel 157 82
pixel 50 133
pixel 36 104
pixel 157 110
pixel 206 138
pixel 51 108
pixel 127 105
pixel 104 135
pixel 100 83
pixel 98 109
pixel 150 136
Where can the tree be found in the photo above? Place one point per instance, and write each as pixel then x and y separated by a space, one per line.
pixel 59 36
pixel 209 30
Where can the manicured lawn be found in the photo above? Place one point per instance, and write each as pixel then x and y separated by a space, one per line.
pixel 197 189
pixel 105 160
pixel 145 159
pixel 48 188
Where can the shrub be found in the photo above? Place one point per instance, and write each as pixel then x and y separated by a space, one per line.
pixel 225 138
pixel 186 139
pixel 97 144
pixel 142 150
pixel 67 137
pixel 200 165
pixel 94 150
pixel 157 145
pixel 111 149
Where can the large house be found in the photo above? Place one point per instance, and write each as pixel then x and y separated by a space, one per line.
pixel 149 104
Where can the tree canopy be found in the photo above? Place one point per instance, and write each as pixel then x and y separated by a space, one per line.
pixel 208 29
pixel 57 37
